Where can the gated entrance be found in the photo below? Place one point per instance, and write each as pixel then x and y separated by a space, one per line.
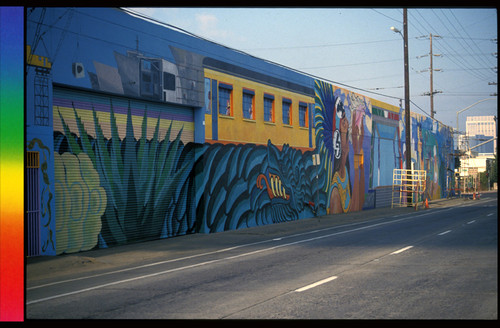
pixel 32 203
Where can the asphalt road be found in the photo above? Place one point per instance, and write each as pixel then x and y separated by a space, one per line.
pixel 437 263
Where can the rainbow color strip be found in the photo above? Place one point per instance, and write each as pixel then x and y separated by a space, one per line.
pixel 11 164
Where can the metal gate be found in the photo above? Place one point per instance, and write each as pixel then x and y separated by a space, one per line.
pixel 32 203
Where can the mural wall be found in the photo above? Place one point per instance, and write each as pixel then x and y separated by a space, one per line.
pixel 119 177
pixel 130 189
pixel 250 185
pixel 341 133
pixel 432 146
pixel 130 157
pixel 120 188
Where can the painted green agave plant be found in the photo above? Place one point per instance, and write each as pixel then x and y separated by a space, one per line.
pixel 146 181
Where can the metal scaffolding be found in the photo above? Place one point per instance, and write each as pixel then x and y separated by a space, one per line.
pixel 408 187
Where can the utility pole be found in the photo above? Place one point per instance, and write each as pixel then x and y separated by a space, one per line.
pixel 407 99
pixel 432 91
pixel 432 85
pixel 407 91
pixel 431 70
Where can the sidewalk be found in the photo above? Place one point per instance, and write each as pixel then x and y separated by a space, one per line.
pixel 44 268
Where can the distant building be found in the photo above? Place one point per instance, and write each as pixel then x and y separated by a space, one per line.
pixel 480 129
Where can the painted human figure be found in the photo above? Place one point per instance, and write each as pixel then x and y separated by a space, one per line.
pixel 358 192
pixel 345 197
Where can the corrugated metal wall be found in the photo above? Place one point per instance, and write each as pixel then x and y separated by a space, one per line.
pixel 122 170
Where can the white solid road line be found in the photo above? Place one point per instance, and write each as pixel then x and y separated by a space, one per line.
pixel 321 282
pixel 121 281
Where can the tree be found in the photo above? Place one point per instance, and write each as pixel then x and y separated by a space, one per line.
pixel 483 181
pixel 493 172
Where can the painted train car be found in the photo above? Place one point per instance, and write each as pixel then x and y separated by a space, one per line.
pixel 143 132
pixel 249 107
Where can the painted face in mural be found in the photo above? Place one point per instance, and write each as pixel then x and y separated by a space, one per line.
pixel 337 134
pixel 341 133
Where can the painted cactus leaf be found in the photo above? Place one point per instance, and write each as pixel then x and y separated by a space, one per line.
pixel 84 138
pixel 171 159
pixel 116 154
pixel 129 155
pixel 104 168
pixel 169 189
pixel 148 165
pixel 72 144
pixel 142 142
pixel 145 174
pixel 163 150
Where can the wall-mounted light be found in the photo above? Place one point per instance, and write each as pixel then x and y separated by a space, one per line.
pixel 78 70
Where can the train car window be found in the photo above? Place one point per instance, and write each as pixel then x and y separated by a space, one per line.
pixel 268 108
pixel 287 111
pixel 248 104
pixel 225 99
pixel 303 115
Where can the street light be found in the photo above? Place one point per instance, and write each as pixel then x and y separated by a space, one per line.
pixel 396 30
pixel 407 91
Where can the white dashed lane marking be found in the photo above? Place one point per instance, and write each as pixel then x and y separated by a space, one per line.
pixel 321 282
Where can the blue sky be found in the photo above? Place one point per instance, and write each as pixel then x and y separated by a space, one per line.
pixel 355 49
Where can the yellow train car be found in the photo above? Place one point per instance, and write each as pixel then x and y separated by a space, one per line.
pixel 246 109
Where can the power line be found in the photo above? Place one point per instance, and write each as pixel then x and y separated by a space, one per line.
pixel 357 64
pixel 473 68
pixel 463 44
pixel 469 38
pixel 322 45
pixel 430 27
pixel 433 118
pixel 466 94
pixel 485 54
pixel 459 61
pixel 394 19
